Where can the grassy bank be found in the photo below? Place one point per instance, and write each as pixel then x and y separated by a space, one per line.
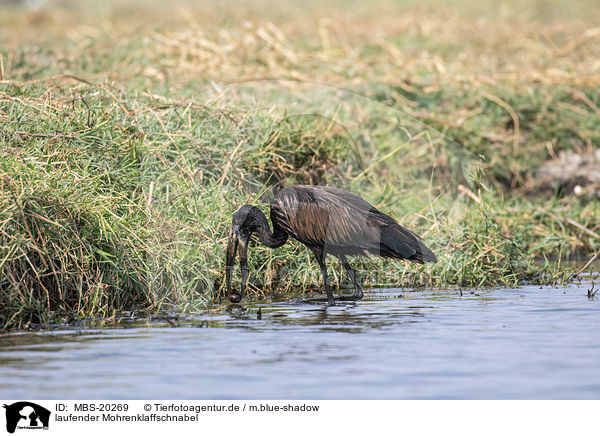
pixel 129 136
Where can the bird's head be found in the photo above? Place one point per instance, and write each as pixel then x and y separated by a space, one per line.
pixel 244 223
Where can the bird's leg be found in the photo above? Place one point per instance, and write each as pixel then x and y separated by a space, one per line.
pixel 358 293
pixel 320 254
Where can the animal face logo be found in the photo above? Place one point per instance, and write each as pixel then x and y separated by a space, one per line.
pixel 26 415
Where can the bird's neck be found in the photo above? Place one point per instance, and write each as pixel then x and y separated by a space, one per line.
pixel 272 239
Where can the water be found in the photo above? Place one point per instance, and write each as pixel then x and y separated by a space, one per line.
pixel 527 343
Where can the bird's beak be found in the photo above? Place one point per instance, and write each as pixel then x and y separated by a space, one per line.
pixel 232 244
pixel 234 241
pixel 243 243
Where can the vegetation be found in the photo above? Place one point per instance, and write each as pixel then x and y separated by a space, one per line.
pixel 129 134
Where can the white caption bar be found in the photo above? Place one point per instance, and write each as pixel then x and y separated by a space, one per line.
pixel 29 417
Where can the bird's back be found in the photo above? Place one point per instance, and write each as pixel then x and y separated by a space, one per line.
pixel 343 223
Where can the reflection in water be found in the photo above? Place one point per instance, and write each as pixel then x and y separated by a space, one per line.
pixel 379 311
pixel 525 343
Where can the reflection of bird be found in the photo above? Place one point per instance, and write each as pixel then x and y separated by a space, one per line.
pixel 328 221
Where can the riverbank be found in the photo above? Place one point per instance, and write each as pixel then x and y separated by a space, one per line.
pixel 129 137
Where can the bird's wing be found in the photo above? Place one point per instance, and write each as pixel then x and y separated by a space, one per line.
pixel 334 218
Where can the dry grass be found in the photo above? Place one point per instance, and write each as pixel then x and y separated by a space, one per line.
pixel 390 43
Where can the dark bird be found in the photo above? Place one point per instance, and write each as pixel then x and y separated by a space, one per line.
pixel 328 221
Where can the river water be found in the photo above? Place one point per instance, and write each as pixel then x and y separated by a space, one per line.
pixel 526 343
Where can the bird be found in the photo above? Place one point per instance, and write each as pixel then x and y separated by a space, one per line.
pixel 327 220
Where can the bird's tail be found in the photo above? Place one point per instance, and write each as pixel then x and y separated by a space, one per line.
pixel 398 242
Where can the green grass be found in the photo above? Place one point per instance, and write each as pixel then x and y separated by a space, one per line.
pixel 120 167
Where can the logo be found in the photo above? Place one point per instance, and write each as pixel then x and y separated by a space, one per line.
pixel 26 415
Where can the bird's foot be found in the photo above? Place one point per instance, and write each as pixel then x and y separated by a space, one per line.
pixel 327 300
pixel 357 295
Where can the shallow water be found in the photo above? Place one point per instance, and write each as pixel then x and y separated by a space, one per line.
pixel 527 343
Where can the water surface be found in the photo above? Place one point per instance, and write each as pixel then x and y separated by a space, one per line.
pixel 527 343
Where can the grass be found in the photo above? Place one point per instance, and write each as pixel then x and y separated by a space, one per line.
pixel 127 142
